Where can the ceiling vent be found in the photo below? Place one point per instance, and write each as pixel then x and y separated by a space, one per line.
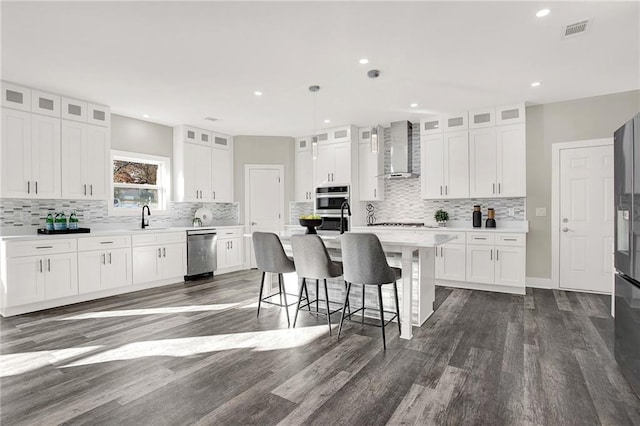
pixel 576 29
pixel 211 119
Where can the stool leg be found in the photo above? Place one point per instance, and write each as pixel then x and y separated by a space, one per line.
pixel 260 296
pixel 283 293
pixel 362 322
pixel 299 300
pixel 395 290
pixel 280 289
pixel 306 294
pixel 384 339
pixel 348 304
pixel 326 296
pixel 346 298
pixel 317 295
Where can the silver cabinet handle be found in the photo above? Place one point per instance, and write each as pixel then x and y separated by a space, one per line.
pixel 164 252
pixel 494 188
pixel 106 242
pixel 90 189
pixel 510 239
pixel 85 189
pixel 231 244
pixel 159 252
pixel 491 254
pixel 375 192
pixel 440 189
pixel 214 195
pixel 479 238
pixel 499 187
pixel 44 247
pixel 40 265
pixel 104 259
pixel 441 251
pixel 36 187
pixel 565 229
pixel 497 254
pixel 328 177
pixel 49 265
pixel 109 258
pixel 446 190
pixel 332 177
pixel 28 187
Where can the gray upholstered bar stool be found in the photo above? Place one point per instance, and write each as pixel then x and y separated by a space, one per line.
pixel 270 257
pixel 313 262
pixel 364 263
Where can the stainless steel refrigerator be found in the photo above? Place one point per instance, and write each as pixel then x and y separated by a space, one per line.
pixel 627 250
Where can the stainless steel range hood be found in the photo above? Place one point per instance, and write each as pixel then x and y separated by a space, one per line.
pixel 401 151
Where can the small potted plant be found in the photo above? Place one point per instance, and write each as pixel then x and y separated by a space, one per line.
pixel 442 217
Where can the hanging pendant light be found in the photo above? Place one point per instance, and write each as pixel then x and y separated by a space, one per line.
pixel 374 140
pixel 314 138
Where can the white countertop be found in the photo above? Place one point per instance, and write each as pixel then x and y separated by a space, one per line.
pixel 30 233
pixel 400 239
pixel 518 227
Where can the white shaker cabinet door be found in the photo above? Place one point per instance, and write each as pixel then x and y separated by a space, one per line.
pixel 324 165
pixel 432 160
pixel 118 270
pixel 191 154
pixel 456 164
pixel 74 140
pixel 482 162
pixel 234 253
pixel 174 260
pixel 16 153
pixel 91 265
pixel 510 265
pixel 512 160
pixel 25 280
pixel 146 264
pixel 304 175
pixel 61 276
pixel 341 173
pixel 480 264
pixel 222 175
pixel 452 262
pixel 97 168
pixel 45 156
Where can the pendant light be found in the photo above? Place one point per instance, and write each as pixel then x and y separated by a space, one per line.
pixel 314 138
pixel 374 140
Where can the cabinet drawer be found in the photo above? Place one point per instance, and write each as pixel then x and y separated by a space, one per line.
pixel 480 238
pixel 144 239
pixel 106 242
pixel 460 237
pixel 229 233
pixel 40 247
pixel 172 237
pixel 510 240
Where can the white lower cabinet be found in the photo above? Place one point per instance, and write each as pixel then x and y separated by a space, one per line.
pixel 510 265
pixel 480 265
pixel 498 259
pixel 101 270
pixel 229 249
pixel 33 279
pixel 450 262
pixel 160 261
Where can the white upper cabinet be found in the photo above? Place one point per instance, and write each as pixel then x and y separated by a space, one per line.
pixel 16 97
pixel 480 118
pixel 510 114
pixel 483 162
pixel 73 109
pixel 445 165
pixel 99 115
pixel 512 160
pixel 431 125
pixel 371 164
pixel 45 103
pixel 455 122
pixel 304 170
pixel 197 173
pixel 222 172
pixel 85 161
pixel 30 149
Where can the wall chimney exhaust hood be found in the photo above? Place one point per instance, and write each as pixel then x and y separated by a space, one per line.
pixel 401 151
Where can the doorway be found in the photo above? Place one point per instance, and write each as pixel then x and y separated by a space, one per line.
pixel 583 220
pixel 264 202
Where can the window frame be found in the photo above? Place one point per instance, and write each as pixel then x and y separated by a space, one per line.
pixel 164 177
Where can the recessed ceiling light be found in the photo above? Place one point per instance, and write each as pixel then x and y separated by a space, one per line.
pixel 536 84
pixel 327 121
pixel 364 61
pixel 145 115
pixel 413 105
pixel 542 13
pixel 257 93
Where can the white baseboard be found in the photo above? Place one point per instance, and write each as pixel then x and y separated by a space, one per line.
pixel 539 282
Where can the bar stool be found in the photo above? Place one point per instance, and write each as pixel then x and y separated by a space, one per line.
pixel 364 263
pixel 313 262
pixel 270 257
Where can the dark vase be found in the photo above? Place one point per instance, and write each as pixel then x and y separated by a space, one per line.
pixel 491 219
pixel 477 217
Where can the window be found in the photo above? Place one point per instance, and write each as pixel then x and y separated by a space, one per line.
pixel 139 179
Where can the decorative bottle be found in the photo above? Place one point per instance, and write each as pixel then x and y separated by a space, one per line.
pixel 491 218
pixel 477 217
pixel 73 220
pixel 49 222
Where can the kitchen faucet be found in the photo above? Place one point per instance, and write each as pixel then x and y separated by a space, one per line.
pixel 145 223
pixel 342 207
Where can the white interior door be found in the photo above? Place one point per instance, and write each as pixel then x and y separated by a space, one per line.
pixel 586 218
pixel 264 195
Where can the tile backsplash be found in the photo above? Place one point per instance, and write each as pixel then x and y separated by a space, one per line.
pixel 26 212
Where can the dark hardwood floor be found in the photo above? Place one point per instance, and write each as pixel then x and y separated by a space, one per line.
pixel 196 354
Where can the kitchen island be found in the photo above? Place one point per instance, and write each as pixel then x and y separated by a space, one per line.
pixel 424 264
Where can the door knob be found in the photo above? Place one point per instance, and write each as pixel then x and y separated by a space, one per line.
pixel 565 229
pixel 253 223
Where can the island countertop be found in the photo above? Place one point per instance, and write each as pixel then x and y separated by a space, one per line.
pixel 425 240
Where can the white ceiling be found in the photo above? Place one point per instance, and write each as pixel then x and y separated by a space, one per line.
pixel 182 61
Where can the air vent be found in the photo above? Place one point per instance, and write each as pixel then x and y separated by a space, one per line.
pixel 211 118
pixel 576 29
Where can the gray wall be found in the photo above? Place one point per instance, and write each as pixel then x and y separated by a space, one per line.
pixel 263 150
pixel 130 134
pixel 581 119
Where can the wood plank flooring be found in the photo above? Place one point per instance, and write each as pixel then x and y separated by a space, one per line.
pixel 195 353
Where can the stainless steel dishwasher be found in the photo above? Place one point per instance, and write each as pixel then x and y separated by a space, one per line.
pixel 201 252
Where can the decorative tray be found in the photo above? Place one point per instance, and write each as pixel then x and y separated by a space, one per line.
pixel 64 231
